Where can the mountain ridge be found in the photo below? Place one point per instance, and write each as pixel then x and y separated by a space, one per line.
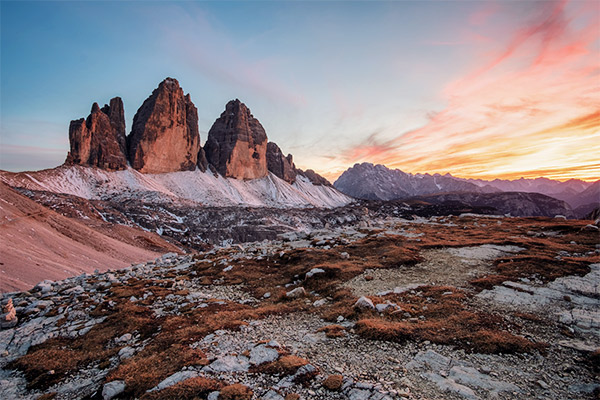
pixel 377 182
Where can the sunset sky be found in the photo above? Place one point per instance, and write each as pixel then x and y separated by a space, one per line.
pixel 480 89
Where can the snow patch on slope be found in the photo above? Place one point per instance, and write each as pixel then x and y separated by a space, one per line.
pixel 197 186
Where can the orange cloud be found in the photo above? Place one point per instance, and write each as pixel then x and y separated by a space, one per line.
pixel 531 108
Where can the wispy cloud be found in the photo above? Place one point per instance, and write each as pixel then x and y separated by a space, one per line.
pixel 531 107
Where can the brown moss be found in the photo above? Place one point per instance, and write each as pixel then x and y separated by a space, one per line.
pixel 153 364
pixel 333 331
pixel 49 362
pixel 286 365
pixel 292 396
pixel 236 391
pixel 192 388
pixel 333 382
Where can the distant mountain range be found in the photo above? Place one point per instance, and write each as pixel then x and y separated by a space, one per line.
pixel 377 182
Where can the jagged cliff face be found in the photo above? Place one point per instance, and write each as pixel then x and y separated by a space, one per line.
pixel 283 167
pixel 164 137
pixel 99 140
pixel 237 144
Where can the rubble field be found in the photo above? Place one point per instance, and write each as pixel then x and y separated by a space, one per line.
pixel 459 307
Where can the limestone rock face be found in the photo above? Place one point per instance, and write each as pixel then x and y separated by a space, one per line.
pixel 99 140
pixel 237 143
pixel 283 167
pixel 314 178
pixel 164 137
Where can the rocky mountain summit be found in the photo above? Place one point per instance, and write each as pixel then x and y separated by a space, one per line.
pixel 541 196
pixel 356 311
pixel 237 143
pixel 280 165
pixel 164 137
pixel 99 141
pixel 377 182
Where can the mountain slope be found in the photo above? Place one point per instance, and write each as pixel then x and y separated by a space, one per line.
pixel 197 186
pixel 517 204
pixel 572 191
pixel 38 243
pixel 377 182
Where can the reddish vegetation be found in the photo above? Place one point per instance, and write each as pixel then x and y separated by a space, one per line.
pixel 189 389
pixel 236 391
pixel 333 382
pixel 51 361
pixel 439 314
pixel 286 365
pixel 333 331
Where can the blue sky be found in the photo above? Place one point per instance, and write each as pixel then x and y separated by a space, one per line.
pixel 324 78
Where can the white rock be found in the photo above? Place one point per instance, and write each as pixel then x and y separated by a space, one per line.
pixel 213 396
pixel 262 354
pixel 319 303
pixel 228 364
pixel 125 338
pixel 364 303
pixel 298 292
pixel 314 271
pixel 112 389
pixel 174 379
pixel 272 395
pixel 126 352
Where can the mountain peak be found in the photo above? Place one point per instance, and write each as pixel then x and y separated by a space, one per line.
pixel 237 143
pixel 164 136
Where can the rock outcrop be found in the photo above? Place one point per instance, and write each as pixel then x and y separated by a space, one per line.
pixel 314 178
pixel 164 137
pixel 99 140
pixel 237 144
pixel 283 167
pixel 8 319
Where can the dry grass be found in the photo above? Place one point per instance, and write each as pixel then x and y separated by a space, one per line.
pixel 439 314
pixel 286 365
pixel 434 315
pixel 333 382
pixel 236 391
pixel 333 331
pixel 193 388
pixel 49 362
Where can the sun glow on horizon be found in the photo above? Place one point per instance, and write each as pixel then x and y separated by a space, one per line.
pixel 529 109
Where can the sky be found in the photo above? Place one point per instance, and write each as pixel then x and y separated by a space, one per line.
pixel 478 89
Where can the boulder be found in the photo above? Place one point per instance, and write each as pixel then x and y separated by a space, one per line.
pixel 237 144
pixel 8 319
pixel 164 137
pixel 99 140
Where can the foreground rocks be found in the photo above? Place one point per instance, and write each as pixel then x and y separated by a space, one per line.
pixel 221 323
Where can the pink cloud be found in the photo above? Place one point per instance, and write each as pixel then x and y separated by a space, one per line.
pixel 514 112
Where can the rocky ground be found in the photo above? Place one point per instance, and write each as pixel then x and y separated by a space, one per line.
pixel 463 307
